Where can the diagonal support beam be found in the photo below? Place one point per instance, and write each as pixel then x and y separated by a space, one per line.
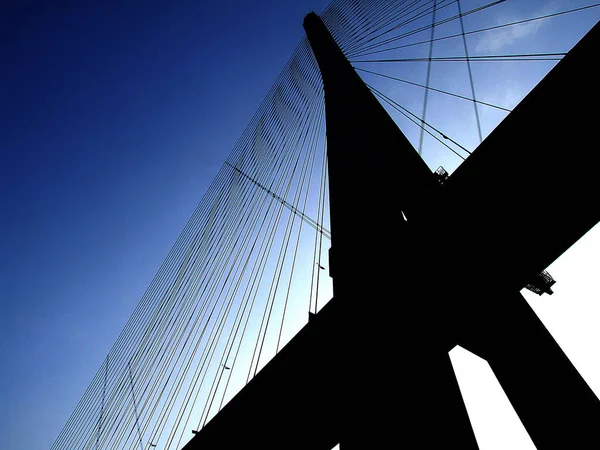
pixel 530 190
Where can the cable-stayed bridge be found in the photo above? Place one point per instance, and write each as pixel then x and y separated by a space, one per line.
pixel 254 261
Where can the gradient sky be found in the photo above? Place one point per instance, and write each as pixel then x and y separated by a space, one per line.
pixel 114 118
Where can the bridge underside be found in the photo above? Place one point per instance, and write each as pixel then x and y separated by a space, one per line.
pixel 295 400
pixel 277 409
pixel 378 375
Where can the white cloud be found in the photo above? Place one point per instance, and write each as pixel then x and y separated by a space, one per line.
pixel 495 40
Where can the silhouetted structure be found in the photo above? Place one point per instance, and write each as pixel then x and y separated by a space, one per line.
pixel 541 284
pixel 441 175
pixel 370 377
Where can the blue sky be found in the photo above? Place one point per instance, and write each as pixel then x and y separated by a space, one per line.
pixel 114 118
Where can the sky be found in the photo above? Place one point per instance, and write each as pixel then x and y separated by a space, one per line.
pixel 114 119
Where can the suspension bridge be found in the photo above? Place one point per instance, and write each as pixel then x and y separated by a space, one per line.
pixel 326 246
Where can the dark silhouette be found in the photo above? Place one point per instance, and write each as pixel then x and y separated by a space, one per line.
pixel 447 275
